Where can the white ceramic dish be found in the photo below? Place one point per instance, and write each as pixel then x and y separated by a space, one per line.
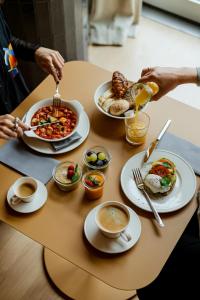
pixel 108 245
pixel 46 148
pixel 74 105
pixel 101 89
pixel 181 194
pixel 27 207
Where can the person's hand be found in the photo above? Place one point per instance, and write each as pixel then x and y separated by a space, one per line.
pixel 168 78
pixel 50 61
pixel 11 127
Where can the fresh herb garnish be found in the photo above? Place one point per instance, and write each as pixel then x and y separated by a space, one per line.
pixel 76 168
pixel 165 181
pixel 75 177
pixel 93 180
pixel 43 122
pixel 167 165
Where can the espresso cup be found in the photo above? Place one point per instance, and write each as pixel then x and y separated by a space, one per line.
pixel 113 218
pixel 24 190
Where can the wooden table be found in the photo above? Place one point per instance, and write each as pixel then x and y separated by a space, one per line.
pixel 78 269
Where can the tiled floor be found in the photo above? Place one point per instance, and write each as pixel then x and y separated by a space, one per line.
pixel 155 44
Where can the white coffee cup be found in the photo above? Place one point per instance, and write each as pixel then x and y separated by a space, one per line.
pixel 24 190
pixel 113 218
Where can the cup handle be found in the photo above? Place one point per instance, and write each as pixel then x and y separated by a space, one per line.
pixel 126 236
pixel 15 200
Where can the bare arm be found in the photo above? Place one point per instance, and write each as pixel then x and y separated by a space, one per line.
pixel 168 78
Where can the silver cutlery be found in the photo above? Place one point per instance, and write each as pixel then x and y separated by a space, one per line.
pixel 56 100
pixel 41 125
pixel 140 185
pixel 154 144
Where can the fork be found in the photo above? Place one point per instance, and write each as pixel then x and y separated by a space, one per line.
pixel 56 100
pixel 140 185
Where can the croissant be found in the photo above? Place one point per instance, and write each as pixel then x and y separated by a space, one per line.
pixel 119 84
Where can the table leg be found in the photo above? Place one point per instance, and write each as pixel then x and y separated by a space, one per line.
pixel 78 284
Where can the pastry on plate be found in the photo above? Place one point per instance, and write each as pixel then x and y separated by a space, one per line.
pixel 119 84
pixel 118 107
pixel 107 103
pixel 161 177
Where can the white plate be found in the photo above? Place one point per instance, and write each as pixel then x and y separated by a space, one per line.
pixel 46 148
pixel 28 207
pixel 181 194
pixel 74 105
pixel 107 245
pixel 101 89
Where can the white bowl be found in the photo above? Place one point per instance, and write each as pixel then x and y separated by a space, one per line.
pixel 74 105
pixel 102 88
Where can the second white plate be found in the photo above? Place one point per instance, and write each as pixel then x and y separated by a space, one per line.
pixel 46 148
pixel 181 194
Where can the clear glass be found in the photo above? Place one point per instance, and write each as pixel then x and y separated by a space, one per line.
pixel 93 192
pixel 97 149
pixel 137 128
pixel 64 186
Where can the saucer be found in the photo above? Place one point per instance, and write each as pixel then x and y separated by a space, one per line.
pixel 28 207
pixel 108 245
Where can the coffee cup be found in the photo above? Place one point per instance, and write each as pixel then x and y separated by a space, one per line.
pixel 24 190
pixel 113 218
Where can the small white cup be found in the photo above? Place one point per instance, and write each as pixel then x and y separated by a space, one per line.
pixel 117 215
pixel 24 190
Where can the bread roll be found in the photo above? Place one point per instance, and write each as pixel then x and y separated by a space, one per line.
pixel 118 107
pixel 107 103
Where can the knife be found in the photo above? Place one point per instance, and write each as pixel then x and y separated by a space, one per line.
pixel 40 125
pixel 155 142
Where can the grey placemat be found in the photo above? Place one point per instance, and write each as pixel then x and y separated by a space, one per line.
pixel 185 149
pixel 18 156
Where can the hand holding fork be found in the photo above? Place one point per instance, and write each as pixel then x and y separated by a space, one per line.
pixel 140 185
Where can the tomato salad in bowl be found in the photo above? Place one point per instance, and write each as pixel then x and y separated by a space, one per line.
pixel 53 125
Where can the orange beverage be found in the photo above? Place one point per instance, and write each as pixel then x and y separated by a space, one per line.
pixel 93 182
pixel 136 128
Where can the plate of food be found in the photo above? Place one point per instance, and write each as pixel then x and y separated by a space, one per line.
pixel 52 126
pixel 120 98
pixel 45 147
pixel 169 180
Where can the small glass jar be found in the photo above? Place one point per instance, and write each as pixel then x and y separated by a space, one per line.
pixel 93 181
pixel 96 158
pixel 67 175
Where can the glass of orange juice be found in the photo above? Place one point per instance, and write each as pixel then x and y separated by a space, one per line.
pixel 136 128
pixel 93 182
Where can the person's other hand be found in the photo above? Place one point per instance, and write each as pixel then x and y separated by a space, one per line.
pixel 166 78
pixel 50 61
pixel 11 127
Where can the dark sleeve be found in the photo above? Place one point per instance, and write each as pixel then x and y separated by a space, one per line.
pixel 24 50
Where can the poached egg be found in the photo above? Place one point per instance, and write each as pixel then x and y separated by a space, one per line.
pixel 152 181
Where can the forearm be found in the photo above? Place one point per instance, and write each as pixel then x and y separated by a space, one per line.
pixel 24 50
pixel 187 75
